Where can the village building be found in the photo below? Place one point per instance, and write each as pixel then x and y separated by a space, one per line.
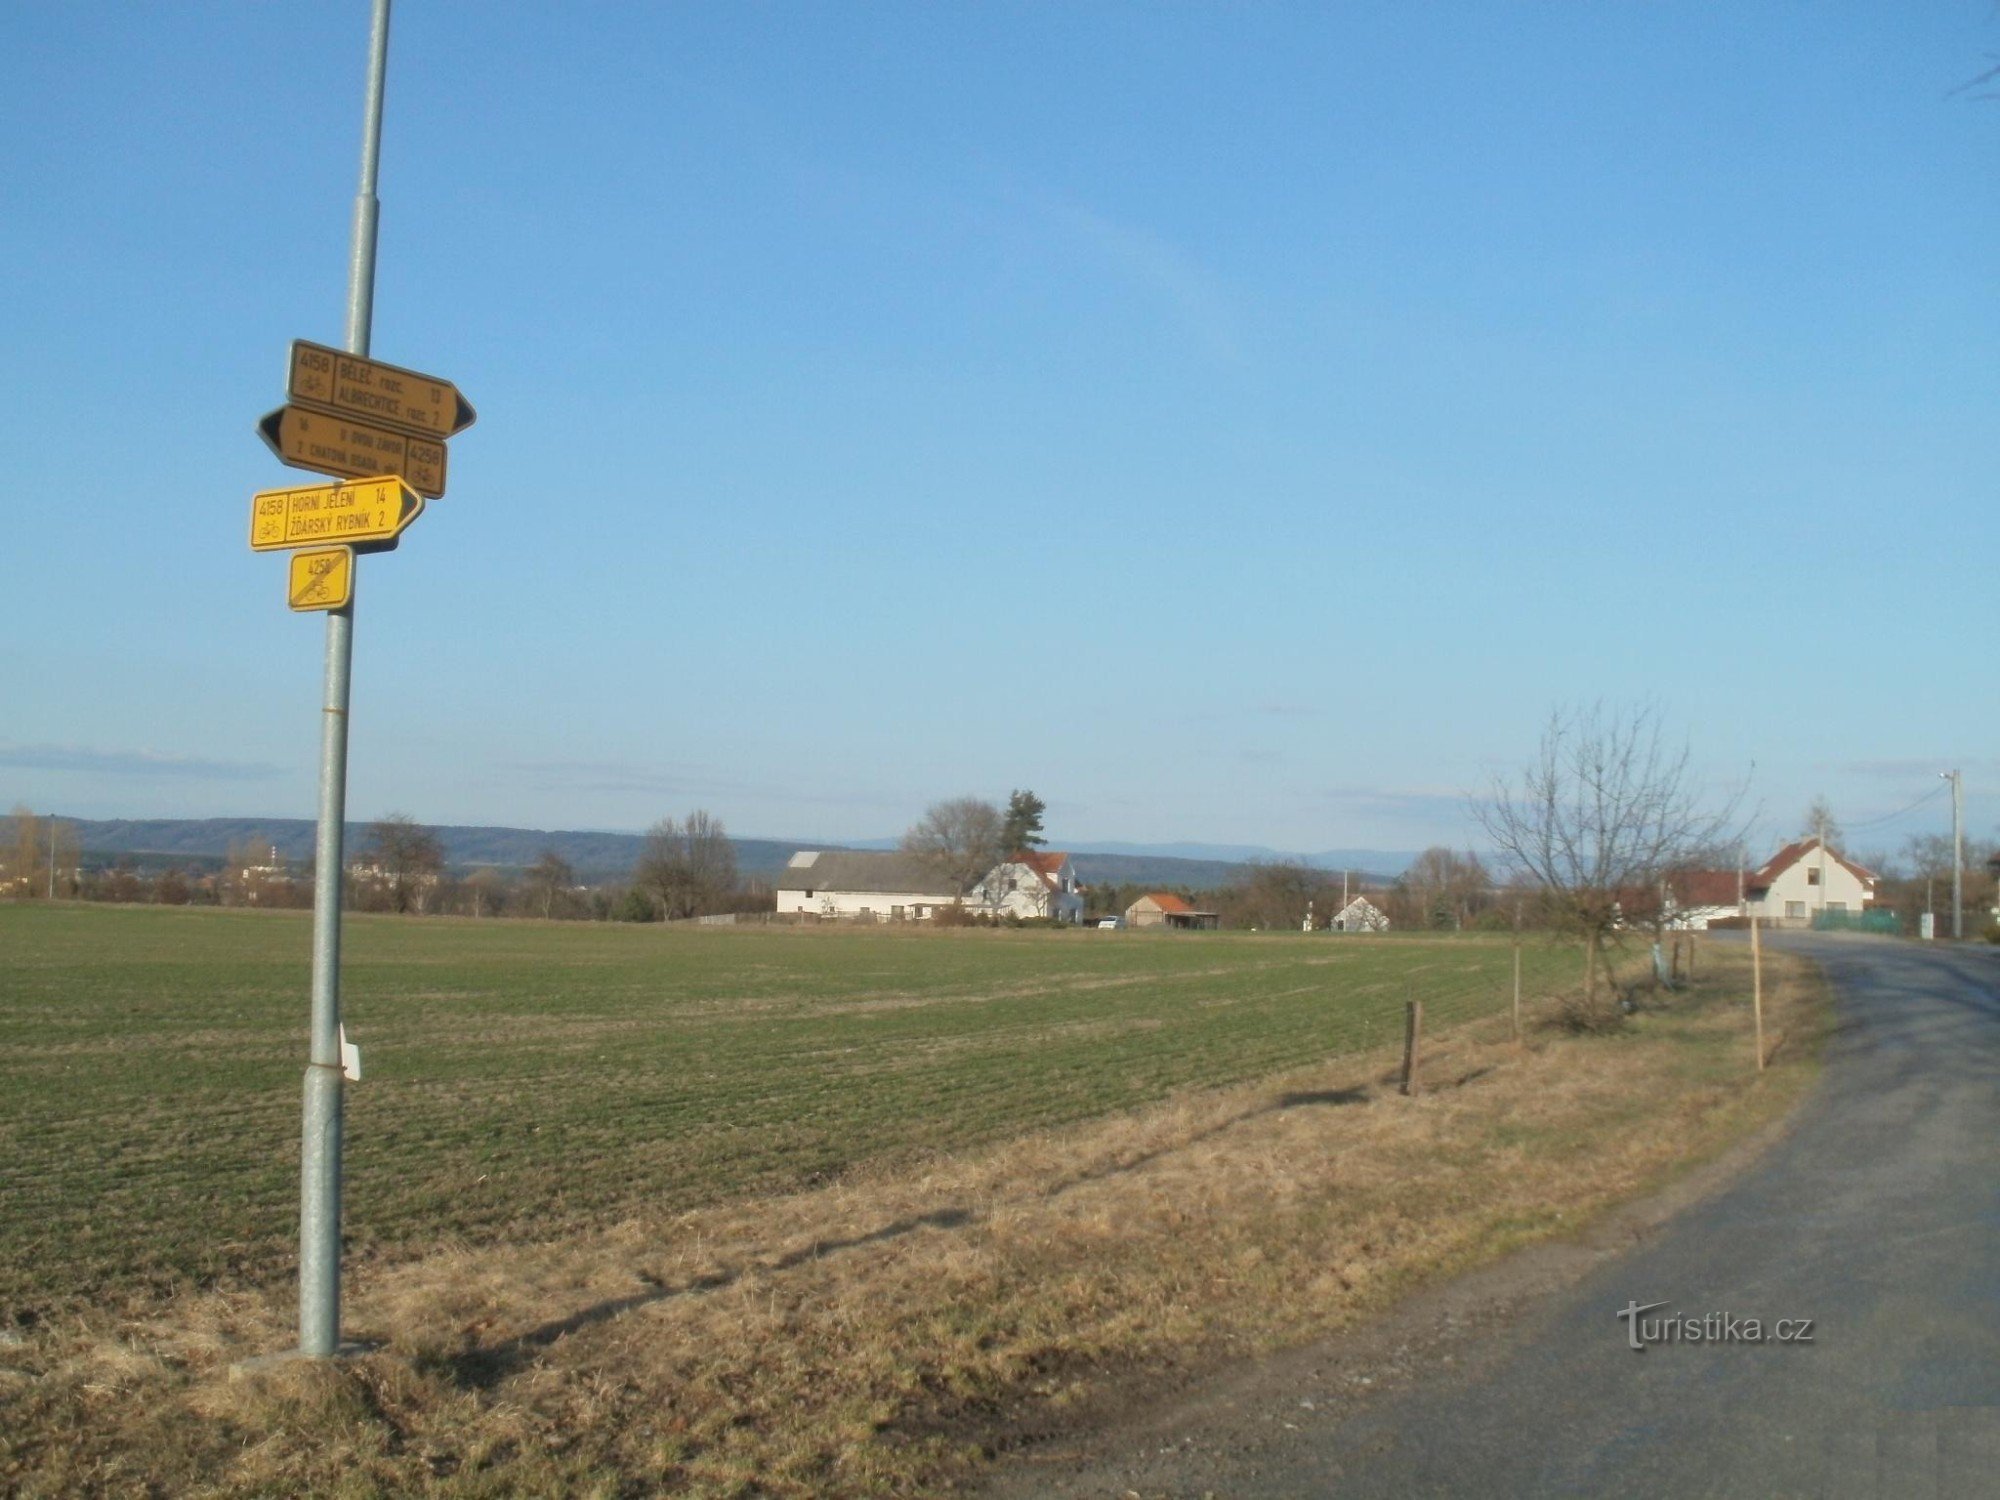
pixel 1791 889
pixel 1360 915
pixel 1034 883
pixel 1804 879
pixel 866 886
pixel 861 885
pixel 1696 898
pixel 1163 909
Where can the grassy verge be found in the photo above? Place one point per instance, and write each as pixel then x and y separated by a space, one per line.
pixel 879 1333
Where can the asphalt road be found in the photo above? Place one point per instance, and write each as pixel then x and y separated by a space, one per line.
pixel 1877 1217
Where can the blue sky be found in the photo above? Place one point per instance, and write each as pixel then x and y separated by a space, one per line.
pixel 1236 423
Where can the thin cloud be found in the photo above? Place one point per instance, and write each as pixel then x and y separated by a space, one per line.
pixel 623 778
pixel 1417 805
pixel 1268 710
pixel 1172 277
pixel 93 762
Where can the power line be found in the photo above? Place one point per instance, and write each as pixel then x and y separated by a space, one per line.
pixel 1937 791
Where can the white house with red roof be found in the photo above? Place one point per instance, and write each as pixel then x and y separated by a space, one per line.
pixel 1803 879
pixel 1033 883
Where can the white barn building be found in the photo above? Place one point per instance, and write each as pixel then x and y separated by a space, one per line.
pixel 857 885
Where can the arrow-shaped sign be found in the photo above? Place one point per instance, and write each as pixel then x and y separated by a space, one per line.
pixel 336 445
pixel 349 386
pixel 369 511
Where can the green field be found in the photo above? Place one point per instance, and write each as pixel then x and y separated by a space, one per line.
pixel 524 1080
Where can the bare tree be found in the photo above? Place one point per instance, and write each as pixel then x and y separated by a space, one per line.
pixel 407 859
pixel 21 853
pixel 1443 888
pixel 484 892
pixel 1820 823
pixel 1603 815
pixel 550 881
pixel 688 867
pixel 1277 895
pixel 960 838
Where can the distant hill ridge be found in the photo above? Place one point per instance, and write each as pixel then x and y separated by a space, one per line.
pixel 612 856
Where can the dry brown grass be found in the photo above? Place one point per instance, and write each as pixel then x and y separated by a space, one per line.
pixel 880 1334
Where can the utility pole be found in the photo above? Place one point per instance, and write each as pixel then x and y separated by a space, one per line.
pixel 1957 780
pixel 319 1187
pixel 52 856
pixel 1822 861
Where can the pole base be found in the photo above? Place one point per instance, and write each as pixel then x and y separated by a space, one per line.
pixel 263 1364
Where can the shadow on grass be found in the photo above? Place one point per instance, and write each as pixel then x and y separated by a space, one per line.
pixel 1323 1096
pixel 481 1369
pixel 484 1368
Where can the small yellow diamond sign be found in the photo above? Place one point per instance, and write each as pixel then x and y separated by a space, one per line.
pixel 322 578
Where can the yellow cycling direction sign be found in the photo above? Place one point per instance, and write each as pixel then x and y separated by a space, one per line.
pixel 370 510
pixel 308 439
pixel 321 578
pixel 366 389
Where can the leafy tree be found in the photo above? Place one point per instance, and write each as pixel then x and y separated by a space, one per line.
pixel 1022 827
pixel 960 839
pixel 689 867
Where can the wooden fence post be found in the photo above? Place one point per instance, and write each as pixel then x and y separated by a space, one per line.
pixel 1413 1042
pixel 1757 987
pixel 1517 992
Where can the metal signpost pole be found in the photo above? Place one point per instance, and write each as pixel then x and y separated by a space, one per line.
pixel 319 1207
pixel 1957 853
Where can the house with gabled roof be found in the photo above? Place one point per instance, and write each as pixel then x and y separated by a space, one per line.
pixel 1802 880
pixel 1032 883
pixel 1695 898
pixel 1164 909
pixel 1360 915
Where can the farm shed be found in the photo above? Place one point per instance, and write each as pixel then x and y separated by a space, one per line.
pixel 1163 909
